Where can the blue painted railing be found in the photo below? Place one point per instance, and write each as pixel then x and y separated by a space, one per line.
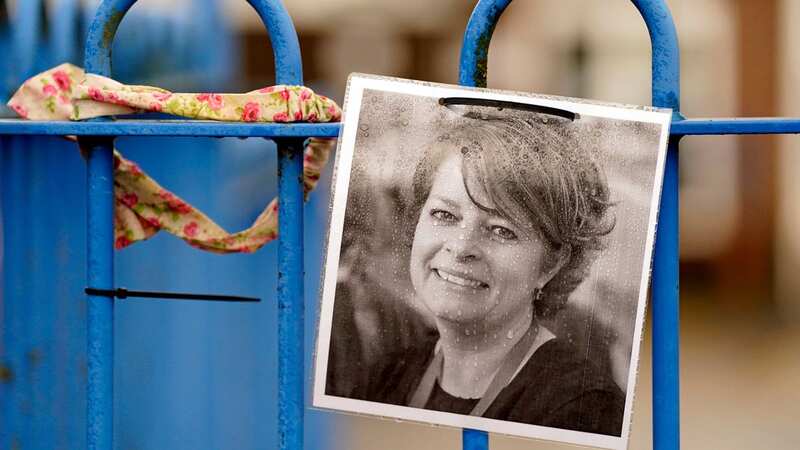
pixel 99 136
pixel 288 69
pixel 666 93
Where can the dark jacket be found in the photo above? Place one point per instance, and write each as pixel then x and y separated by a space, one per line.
pixel 557 388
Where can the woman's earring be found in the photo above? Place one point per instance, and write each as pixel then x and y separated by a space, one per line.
pixel 537 294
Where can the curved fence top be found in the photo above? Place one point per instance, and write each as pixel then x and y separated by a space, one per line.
pixel 285 46
pixel 477 36
pixel 663 38
pixel 666 54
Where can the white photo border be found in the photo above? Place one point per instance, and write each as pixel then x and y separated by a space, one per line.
pixel 357 84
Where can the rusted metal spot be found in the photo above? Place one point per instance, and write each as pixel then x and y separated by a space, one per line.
pixel 482 58
pixel 6 374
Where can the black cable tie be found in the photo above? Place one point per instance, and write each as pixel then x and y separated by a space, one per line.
pixel 123 293
pixel 503 104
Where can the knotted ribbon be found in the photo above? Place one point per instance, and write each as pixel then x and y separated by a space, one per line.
pixel 142 207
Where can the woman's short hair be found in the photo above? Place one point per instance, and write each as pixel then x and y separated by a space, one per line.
pixel 534 172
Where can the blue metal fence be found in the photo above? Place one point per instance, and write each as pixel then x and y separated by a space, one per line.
pixel 99 136
pixel 179 368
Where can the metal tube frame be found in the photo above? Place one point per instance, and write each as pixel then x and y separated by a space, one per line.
pixel 288 70
pixel 665 92
pixel 97 137
pixel 100 311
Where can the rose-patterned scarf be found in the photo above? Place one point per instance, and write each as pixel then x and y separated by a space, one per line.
pixel 142 207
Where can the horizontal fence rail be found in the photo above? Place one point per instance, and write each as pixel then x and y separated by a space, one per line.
pixel 755 125
pixel 200 128
pixel 196 128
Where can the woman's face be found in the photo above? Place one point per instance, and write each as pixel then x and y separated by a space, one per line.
pixel 469 265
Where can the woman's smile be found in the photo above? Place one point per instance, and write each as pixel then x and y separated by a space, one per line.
pixel 459 279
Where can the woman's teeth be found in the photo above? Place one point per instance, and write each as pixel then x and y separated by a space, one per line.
pixel 455 279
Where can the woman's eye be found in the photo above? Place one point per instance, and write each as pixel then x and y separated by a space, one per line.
pixel 442 215
pixel 503 233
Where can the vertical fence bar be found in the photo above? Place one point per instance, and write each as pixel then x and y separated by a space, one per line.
pixel 666 306
pixel 666 93
pixel 100 274
pixel 473 64
pixel 666 326
pixel 474 58
pixel 291 317
pixel 290 294
pixel 474 439
pixel 100 238
pixel 15 302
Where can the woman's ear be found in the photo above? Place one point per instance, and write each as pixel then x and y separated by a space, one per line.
pixel 559 258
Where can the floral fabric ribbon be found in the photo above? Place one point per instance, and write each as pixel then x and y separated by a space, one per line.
pixel 142 207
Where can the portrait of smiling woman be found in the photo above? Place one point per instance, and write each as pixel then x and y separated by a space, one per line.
pixel 462 247
pixel 508 211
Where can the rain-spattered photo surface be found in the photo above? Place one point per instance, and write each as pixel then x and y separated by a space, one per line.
pixel 488 259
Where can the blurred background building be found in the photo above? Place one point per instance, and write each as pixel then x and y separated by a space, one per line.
pixel 196 380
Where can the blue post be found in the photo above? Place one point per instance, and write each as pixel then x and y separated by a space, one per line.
pixel 100 316
pixel 472 72
pixel 666 317
pixel 14 364
pixel 100 250
pixel 666 93
pixel 475 45
pixel 291 357
pixel 474 439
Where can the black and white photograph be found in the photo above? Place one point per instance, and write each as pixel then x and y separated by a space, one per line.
pixel 488 259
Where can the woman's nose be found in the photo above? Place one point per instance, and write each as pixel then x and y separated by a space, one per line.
pixel 464 246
